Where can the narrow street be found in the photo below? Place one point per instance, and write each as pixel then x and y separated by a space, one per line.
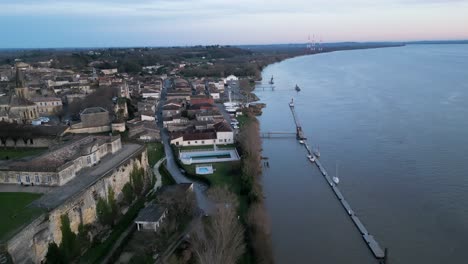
pixel 199 188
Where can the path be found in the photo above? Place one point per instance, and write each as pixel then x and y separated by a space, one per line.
pixel 171 165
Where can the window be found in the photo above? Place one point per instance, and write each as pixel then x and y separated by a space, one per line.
pixel 188 142
pixel 36 178
pixel 88 159
pixel 49 179
pixel 18 178
pixel 28 180
pixel 6 178
pixel 203 142
pixel 196 141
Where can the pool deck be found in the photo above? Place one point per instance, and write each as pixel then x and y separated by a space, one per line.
pixel 234 156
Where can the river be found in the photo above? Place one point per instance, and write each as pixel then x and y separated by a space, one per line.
pixel 395 122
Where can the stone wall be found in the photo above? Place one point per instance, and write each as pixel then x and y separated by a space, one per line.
pixel 40 142
pixel 89 130
pixel 30 245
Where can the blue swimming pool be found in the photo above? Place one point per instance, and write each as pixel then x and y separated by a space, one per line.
pixel 204 169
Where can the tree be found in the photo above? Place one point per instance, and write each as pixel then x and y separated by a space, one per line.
pixel 103 212
pixel 54 255
pixel 136 178
pixel 69 245
pixel 222 239
pixel 128 193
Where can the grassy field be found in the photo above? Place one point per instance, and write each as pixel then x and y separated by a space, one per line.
pixel 14 211
pixel 155 152
pixel 19 152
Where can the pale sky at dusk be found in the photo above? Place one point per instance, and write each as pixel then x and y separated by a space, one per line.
pixel 99 23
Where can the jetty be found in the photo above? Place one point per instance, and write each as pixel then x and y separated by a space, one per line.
pixel 368 238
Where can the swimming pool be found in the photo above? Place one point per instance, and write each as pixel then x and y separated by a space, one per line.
pixel 204 169
pixel 205 156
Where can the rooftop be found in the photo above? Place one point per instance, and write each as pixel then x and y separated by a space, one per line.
pixel 151 213
pixel 93 110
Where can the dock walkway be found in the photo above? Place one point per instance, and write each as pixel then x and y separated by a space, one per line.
pixel 368 238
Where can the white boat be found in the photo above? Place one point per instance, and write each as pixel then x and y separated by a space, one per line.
pixel 311 158
pixel 291 104
pixel 301 141
pixel 335 178
pixel 317 152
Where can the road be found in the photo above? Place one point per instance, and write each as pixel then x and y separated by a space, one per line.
pixel 202 201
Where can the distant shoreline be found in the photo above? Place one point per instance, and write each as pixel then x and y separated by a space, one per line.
pixel 384 43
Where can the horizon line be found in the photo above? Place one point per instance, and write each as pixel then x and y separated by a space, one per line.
pixel 439 41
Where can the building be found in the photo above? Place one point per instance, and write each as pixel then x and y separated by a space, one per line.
pixel 230 78
pixel 147 116
pixel 220 134
pixel 17 107
pixel 150 93
pixel 209 115
pixel 47 105
pixel 57 167
pixel 94 117
pixel 146 131
pixel 201 99
pixel 109 71
pixel 150 218
pixel 171 109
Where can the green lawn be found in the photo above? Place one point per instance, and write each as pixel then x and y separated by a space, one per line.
pixel 9 153
pixel 166 176
pixel 15 212
pixel 155 152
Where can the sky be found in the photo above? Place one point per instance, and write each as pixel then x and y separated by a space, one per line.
pixel 121 23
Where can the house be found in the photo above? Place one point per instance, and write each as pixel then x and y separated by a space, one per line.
pixel 47 105
pixel 74 97
pixel 146 106
pixel 108 71
pixel 214 92
pixel 209 115
pixel 196 108
pixel 147 116
pixel 173 95
pixel 150 218
pixel 171 109
pixel 220 134
pixel 201 99
pixel 175 119
pixel 150 93
pixel 146 131
pixel 196 138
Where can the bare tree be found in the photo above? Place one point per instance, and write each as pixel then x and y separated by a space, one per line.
pixel 221 239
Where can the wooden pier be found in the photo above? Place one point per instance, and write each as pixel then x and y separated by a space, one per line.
pixel 368 238
pixel 277 134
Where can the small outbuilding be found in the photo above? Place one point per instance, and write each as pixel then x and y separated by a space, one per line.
pixel 150 218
